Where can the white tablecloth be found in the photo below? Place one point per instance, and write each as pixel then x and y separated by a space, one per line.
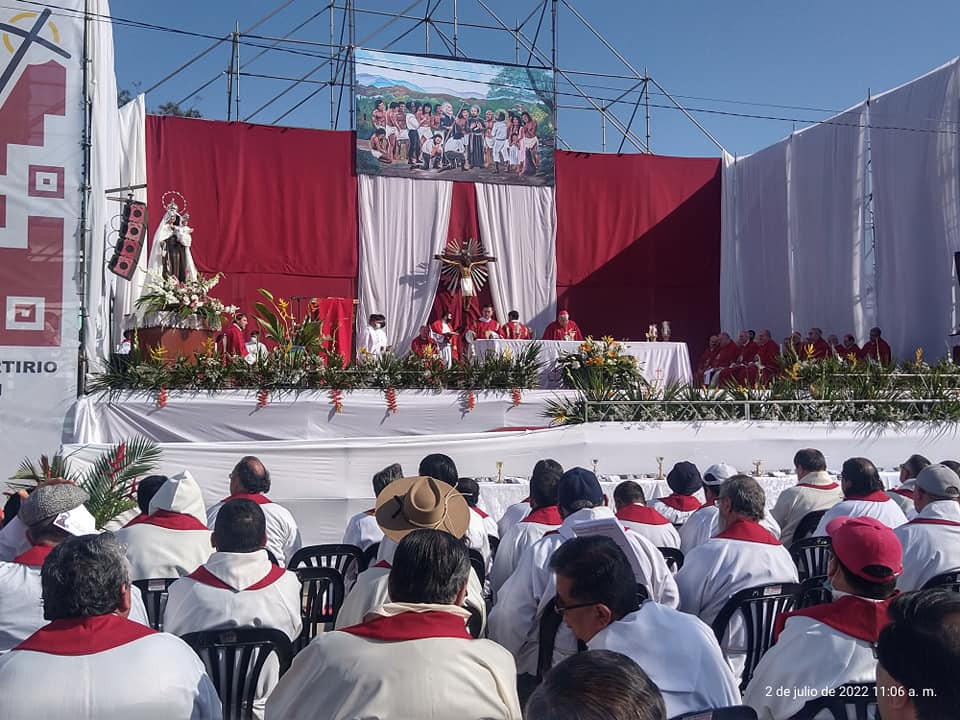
pixel 662 362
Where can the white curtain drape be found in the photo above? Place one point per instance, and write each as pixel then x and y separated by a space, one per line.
pixel 826 189
pixel 518 225
pixel 133 171
pixel 104 174
pixel 403 224
pixel 915 191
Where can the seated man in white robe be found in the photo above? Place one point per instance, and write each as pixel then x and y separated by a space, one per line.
pixel 515 619
pixel 597 596
pixel 514 514
pixel 633 513
pixel 238 587
pixel 362 529
pixel 411 658
pixel 705 522
pixel 601 685
pixel 742 555
pixel 684 480
pixel 544 517
pixel 903 494
pixel 251 480
pixel 95 663
pixel 173 540
pixel 931 541
pixel 815 490
pixel 470 489
pixel 863 496
pixel 822 647
pixel 412 502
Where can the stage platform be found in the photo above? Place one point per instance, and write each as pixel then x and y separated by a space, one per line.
pixel 325 481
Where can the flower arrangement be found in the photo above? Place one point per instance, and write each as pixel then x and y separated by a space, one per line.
pixel 598 362
pixel 185 300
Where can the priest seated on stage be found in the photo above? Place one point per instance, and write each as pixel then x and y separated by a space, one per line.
pixel 514 329
pixel 876 350
pixel 410 658
pixel 815 348
pixel 707 357
pixel 849 348
pixel 486 326
pixel 828 645
pixel 727 353
pixel 91 660
pixel 362 529
pixel 633 513
pixel 250 479
pixel 238 587
pixel 563 328
pixel 685 481
pixel 173 540
pixel 423 345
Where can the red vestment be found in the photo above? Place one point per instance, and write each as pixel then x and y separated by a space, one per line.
pixel 515 330
pixel 706 361
pixel 878 350
pixel 820 350
pixel 748 353
pixel 844 351
pixel 233 342
pixel 768 354
pixel 726 355
pixel 420 345
pixel 486 329
pixel 555 332
pixel 437 327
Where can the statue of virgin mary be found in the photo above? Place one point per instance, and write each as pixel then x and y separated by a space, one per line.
pixel 170 254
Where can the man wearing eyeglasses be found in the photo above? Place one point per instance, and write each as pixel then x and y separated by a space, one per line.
pixel 598 599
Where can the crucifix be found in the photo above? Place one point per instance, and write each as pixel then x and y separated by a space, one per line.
pixel 464 265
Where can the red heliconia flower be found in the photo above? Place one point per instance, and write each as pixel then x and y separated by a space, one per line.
pixel 263 397
pixel 162 398
pixel 471 400
pixel 516 396
pixel 391 396
pixel 336 397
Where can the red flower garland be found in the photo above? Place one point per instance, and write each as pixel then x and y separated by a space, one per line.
pixel 162 398
pixel 336 397
pixel 391 396
pixel 515 396
pixel 263 397
pixel 471 400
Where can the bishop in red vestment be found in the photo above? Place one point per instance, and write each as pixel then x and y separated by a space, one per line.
pixel 877 349
pixel 423 344
pixel 563 329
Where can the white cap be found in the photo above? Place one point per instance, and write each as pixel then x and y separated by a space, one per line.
pixel 78 521
pixel 716 474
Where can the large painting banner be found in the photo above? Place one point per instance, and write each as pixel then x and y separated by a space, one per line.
pixel 41 175
pixel 437 119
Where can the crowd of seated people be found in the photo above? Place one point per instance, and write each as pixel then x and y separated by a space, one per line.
pixel 756 358
pixel 446 620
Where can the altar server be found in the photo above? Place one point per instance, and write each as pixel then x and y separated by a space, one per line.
pixel 863 496
pixel 238 587
pixel 362 529
pixel 403 506
pixel 742 555
pixel 544 517
pixel 515 620
pixel 173 540
pixel 815 490
pixel 91 661
pixel 825 646
pixel 250 479
pixel 598 601
pixel 705 522
pixel 633 513
pixel 373 340
pixel 684 480
pixel 513 514
pixel 411 658
pixel 931 541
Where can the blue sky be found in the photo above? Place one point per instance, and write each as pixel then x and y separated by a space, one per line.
pixel 801 62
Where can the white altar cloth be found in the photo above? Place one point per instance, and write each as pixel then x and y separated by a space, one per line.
pixel 663 363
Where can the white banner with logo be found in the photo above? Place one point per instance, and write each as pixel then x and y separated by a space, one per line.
pixel 41 175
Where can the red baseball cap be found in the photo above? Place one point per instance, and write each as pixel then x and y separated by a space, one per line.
pixel 866 547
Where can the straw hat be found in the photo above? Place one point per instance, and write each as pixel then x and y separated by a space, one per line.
pixel 421 503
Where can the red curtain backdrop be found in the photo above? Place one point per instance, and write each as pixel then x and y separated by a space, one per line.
pixel 638 242
pixel 464 225
pixel 336 314
pixel 270 207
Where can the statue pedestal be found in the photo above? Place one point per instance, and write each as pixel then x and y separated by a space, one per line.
pixel 177 341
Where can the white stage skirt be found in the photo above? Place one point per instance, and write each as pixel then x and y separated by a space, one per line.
pixel 324 482
pixel 663 363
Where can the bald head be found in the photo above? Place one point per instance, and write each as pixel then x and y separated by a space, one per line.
pixel 249 476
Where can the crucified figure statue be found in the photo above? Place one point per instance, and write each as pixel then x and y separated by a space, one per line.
pixel 465 265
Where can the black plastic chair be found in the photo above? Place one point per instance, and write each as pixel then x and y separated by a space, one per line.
pixel 855 701
pixel 479 565
pixel 321 597
pixel 944 581
pixel 370 556
pixel 811 556
pixel 474 622
pixel 759 606
pixel 813 592
pixel 234 659
pixel 808 525
pixel 673 557
pixel 154 592
pixel 550 623
pixel 734 712
pixel 347 559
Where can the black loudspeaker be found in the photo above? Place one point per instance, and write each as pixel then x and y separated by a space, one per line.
pixel 129 245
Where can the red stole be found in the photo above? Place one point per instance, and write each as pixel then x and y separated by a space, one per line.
pixel 384 564
pixel 85 636
pixel 258 498
pixel 205 577
pixel 828 486
pixel 683 503
pixel 875 496
pixel 549 515
pixel 854 616
pixel 641 514
pixel 906 492
pixel 169 520
pixel 412 626
pixel 35 556
pixel 479 512
pixel 933 521
pixel 749 531
pixel 420 345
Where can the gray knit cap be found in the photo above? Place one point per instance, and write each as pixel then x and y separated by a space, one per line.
pixel 47 502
